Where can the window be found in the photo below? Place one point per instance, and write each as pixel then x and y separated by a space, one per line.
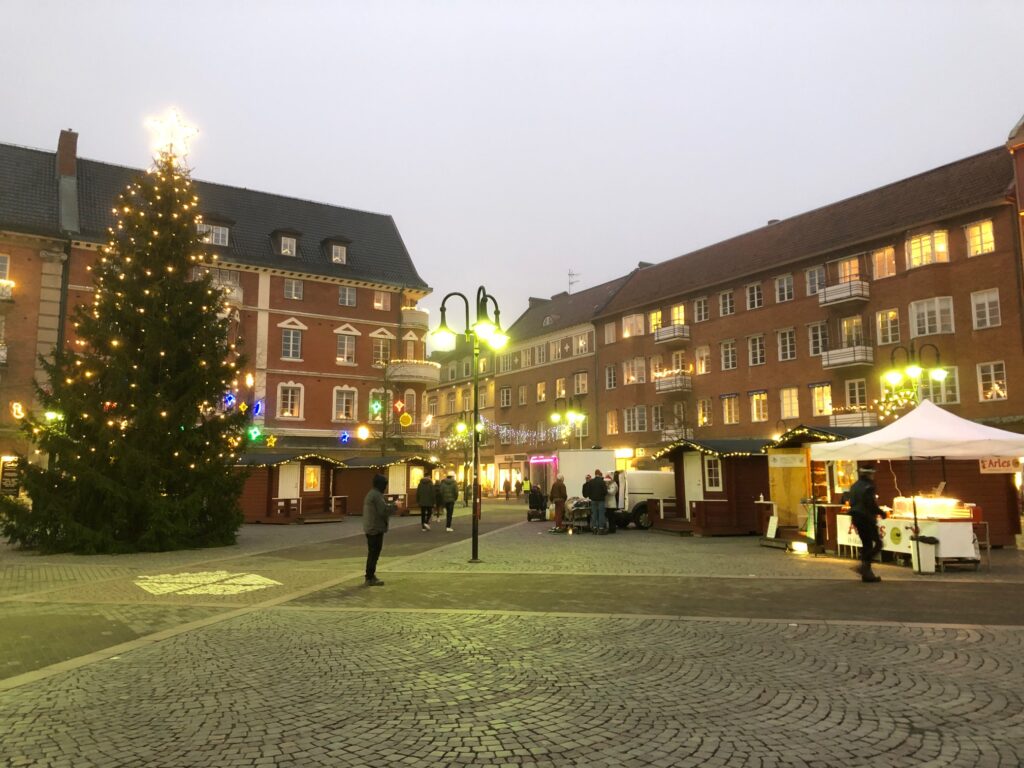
pixel 678 361
pixel 633 371
pixel 381 351
pixel 887 326
pixel 986 308
pixel 540 352
pixel 856 393
pixel 291 344
pixel 522 394
pixel 931 248
pixel 728 355
pixel 726 306
pixel 821 399
pixel 542 391
pixel 609 376
pixel 931 316
pixel 852 330
pixel 979 238
pixel 657 422
pixel 817 334
pixel 789 402
pixel 815 277
pixel 730 409
pixel 213 234
pixel 632 325
pixel 657 366
pixel 704 412
pixel 505 434
pixel 410 350
pixel 346 296
pixel 712 473
pixel 654 320
pixel 635 418
pixel 581 343
pixel 609 333
pixel 482 394
pixel 579 383
pixel 453 370
pixel 505 397
pixel 759 406
pixel 755 350
pixel 848 270
pixel 288 247
pixel 289 401
pixel 346 352
pixel 339 254
pixel 311 474
pixel 449 401
pixel 942 392
pixel 612 422
pixel 554 350
pixel 883 262
pixel 755 297
pixel 292 288
pixel 783 288
pixel 467 368
pixel 702 359
pixel 700 310
pixel 382 300
pixel 787 344
pixel 679 314
pixel 432 406
pixel 560 386
pixel 992 381
pixel 344 404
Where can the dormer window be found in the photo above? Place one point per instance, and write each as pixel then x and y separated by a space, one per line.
pixel 339 254
pixel 289 247
pixel 213 234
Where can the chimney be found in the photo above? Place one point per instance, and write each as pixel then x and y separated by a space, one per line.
pixel 534 301
pixel 67 180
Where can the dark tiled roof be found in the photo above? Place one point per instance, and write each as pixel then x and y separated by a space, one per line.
pixel 964 185
pixel 564 309
pixel 376 252
pixel 28 191
pixel 740 446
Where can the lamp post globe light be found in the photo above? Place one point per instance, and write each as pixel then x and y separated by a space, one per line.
pixel 444 339
pixel 906 380
pixel 570 417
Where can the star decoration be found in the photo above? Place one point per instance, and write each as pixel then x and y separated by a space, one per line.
pixel 271 441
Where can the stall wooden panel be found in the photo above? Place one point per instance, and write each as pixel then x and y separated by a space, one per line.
pixel 255 495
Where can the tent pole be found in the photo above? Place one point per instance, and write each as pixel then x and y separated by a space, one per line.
pixel 913 504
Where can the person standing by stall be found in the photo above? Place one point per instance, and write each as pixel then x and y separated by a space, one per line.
pixel 864 511
pixel 596 491
pixel 376 511
pixel 559 493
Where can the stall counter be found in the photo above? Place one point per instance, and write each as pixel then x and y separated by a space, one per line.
pixel 956 538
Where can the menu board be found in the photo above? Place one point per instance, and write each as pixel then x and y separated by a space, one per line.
pixel 9 478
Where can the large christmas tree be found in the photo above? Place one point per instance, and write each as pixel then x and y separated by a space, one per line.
pixel 138 427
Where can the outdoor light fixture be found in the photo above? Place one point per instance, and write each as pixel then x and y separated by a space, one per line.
pixel 444 339
pixel 912 368
pixel 573 416
pixel 362 432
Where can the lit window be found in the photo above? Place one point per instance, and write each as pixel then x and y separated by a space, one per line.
pixel 930 248
pixel 852 330
pixel 679 314
pixel 634 371
pixel 291 344
pixel 728 355
pixel 380 402
pixel 730 409
pixel 346 353
pixel 787 344
pixel 542 391
pixel 702 359
pixel 292 288
pixel 700 310
pixel 381 351
pixel 632 325
pixel 986 308
pixel 289 402
pixel 560 386
pixel 821 399
pixel 704 412
pixel 887 326
pixel 755 297
pixel 848 270
pixel 980 238
pixel 759 406
pixel 725 303
pixel 654 320
pixel 931 316
pixel 581 343
pixel 992 381
pixel 789 402
pixel 555 350
pixel 346 296
pixel 339 254
pixel 382 300
pixel 783 288
pixel 942 392
pixel 344 404
pixel 883 262
pixel 612 421
pixel 213 234
pixel 288 246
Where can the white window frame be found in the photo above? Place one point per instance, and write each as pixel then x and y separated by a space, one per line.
pixel 654 320
pixel 289 246
pixel 701 312
pixel 755 296
pixel 560 390
pixel 299 396
pixel 521 392
pixel 927 248
pixel 354 393
pixel 505 397
pixel 821 399
pixel 713 480
pixel 783 289
pixel 726 304
pixel 848 269
pixel 702 360
pixel 705 412
pixel 980 237
pixel 581 343
pixel 542 391
pixel 756 353
pixel 887 329
pixel 884 258
pixel 678 314
pixel 728 358
pixel 758 406
pixel 985 309
pixel 579 383
pixel 814 279
pixel 381 351
pixel 610 372
pixel 938 307
pixel 730 409
pixel 992 377
pixel 293 288
pixel 945 392
pixel 345 351
pixel 817 339
pixel 634 371
pixel 633 325
pixel 657 419
pixel 786 343
pixel 856 393
pixel 339 254
pixel 635 419
pixel 612 422
pixel 609 333
pixel 382 300
pixel 346 296
pixel 789 402
pixel 291 342
pixel 213 234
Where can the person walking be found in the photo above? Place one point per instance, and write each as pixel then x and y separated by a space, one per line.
pixel 558 496
pixel 864 510
pixel 507 487
pixel 376 511
pixel 611 501
pixel 519 486
pixel 449 492
pixel 425 497
pixel 595 491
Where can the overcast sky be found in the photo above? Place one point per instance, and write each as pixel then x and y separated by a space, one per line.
pixel 515 141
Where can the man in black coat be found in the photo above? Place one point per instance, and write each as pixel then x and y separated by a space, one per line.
pixel 596 491
pixel 864 510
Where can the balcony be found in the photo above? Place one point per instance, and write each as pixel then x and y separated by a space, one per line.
pixel 844 357
pixel 854 419
pixel 672 333
pixel 673 381
pixel 852 290
pixel 415 318
pixel 414 371
pixel 676 433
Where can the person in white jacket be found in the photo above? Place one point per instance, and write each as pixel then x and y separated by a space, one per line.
pixel 611 500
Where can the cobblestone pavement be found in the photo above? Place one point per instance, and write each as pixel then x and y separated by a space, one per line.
pixel 638 649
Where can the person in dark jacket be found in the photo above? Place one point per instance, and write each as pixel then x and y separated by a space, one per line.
pixel 864 510
pixel 596 491
pixel 519 488
pixel 426 497
pixel 558 496
pixel 448 490
pixel 507 487
pixel 376 511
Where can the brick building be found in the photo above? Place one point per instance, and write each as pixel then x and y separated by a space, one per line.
pixel 323 297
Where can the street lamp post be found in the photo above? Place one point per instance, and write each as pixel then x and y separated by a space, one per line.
pixel 573 416
pixel 444 340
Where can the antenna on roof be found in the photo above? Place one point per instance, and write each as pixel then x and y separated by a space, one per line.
pixel 572 279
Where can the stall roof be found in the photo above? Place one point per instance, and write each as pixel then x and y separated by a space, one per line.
pixel 382 462
pixel 926 431
pixel 272 459
pixel 801 434
pixel 745 446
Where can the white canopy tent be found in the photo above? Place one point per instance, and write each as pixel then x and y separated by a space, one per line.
pixel 927 431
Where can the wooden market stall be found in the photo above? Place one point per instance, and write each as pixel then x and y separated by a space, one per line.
pixel 288 487
pixel 354 478
pixel 719 487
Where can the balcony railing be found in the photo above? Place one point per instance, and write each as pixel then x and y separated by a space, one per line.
pixel 414 318
pixel 858 354
pixel 673 382
pixel 672 333
pixel 852 290
pixel 854 419
pixel 414 371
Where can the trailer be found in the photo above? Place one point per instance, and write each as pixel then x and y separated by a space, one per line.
pixel 636 486
pixel 575 465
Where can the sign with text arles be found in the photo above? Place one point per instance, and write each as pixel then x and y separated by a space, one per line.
pixel 998 465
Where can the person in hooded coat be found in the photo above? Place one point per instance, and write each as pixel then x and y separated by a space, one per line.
pixel 376 511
